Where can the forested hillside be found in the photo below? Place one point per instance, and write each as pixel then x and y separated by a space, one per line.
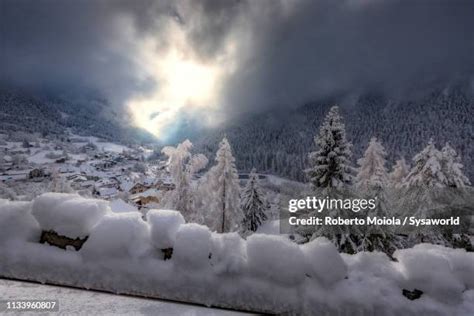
pixel 53 115
pixel 280 143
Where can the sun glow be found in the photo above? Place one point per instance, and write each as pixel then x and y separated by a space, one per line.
pixel 185 84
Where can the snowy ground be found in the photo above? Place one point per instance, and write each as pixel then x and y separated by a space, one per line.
pixel 75 301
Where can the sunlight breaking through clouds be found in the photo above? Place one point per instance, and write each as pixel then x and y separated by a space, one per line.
pixel 184 83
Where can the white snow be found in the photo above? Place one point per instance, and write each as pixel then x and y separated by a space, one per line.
pixel 164 225
pixel 68 214
pixel 275 258
pixel 323 261
pixel 192 246
pixel 433 271
pixel 229 253
pixel 264 273
pixel 120 206
pixel 103 146
pixel 80 302
pixel 16 222
pixel 270 227
pixel 40 157
pixel 118 236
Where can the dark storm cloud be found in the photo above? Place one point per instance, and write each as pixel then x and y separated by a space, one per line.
pixel 288 52
pixel 310 49
pixel 75 46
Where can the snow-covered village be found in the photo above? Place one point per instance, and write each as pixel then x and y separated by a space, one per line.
pixel 226 158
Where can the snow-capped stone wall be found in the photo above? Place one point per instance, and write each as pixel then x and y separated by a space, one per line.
pixel 263 273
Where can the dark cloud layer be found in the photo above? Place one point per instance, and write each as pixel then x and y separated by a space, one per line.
pixel 324 47
pixel 288 52
pixel 51 45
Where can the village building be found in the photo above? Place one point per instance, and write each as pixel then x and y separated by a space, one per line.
pixel 147 198
pixel 36 173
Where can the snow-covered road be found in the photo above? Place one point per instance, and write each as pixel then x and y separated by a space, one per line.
pixel 76 301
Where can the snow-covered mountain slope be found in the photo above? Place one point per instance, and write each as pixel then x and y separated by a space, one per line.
pixel 53 115
pixel 279 143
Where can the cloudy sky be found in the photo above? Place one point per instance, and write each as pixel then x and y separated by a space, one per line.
pixel 212 61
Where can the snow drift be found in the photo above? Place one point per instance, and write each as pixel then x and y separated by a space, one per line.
pixel 68 214
pixel 263 273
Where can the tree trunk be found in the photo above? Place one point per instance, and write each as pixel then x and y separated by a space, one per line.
pixel 223 207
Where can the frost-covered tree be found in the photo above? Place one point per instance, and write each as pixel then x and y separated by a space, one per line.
pixel 330 173
pixel 457 183
pixel 372 172
pixel 7 192
pixel 371 182
pixel 399 172
pixel 223 192
pixel 254 204
pixel 424 183
pixel 182 166
pixel 330 164
pixel 452 168
pixel 427 171
pixel 59 184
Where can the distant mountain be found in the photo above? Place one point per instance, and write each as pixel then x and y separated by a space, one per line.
pixel 279 143
pixel 54 115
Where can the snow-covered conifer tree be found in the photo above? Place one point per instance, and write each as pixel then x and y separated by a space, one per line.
pixel 427 171
pixel 372 173
pixel 330 164
pixel 457 181
pixel 253 203
pixel 182 165
pixel 423 184
pixel 223 192
pixel 399 172
pixel 452 168
pixel 371 182
pixel 330 173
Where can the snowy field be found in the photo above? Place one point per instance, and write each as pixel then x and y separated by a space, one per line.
pixel 75 301
pixel 102 145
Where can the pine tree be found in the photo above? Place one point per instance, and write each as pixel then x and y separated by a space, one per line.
pixel 399 172
pixel 427 171
pixel 372 173
pixel 253 203
pixel 457 182
pixel 330 173
pixel 330 164
pixel 222 187
pixel 423 184
pixel 452 168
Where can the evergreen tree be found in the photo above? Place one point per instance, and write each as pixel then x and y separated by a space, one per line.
pixel 427 171
pixel 457 182
pixel 253 203
pixel 399 172
pixel 223 192
pixel 372 181
pixel 330 174
pixel 372 172
pixel 330 164
pixel 452 168
pixel 423 185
